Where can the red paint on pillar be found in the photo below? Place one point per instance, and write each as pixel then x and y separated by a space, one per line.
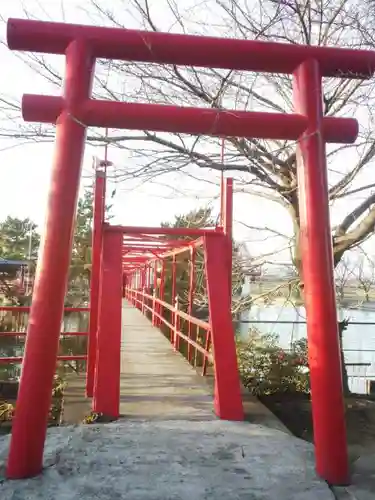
pixel 319 290
pixel 107 376
pixel 42 340
pixel 228 228
pixel 98 220
pixel 228 399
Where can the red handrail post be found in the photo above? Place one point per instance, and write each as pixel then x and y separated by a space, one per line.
pixel 207 349
pixel 97 236
pixel 176 341
pixel 107 377
pixel 161 293
pixel 148 278
pixel 143 281
pixel 228 399
pixel 143 299
pixel 174 268
pixel 131 291
pixel 319 290
pixel 138 287
pixel 124 283
pixel 42 341
pixel 193 252
pixel 154 303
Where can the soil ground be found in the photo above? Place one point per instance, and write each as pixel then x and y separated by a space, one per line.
pixel 294 411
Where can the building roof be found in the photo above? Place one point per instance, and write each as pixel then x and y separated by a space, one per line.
pixel 8 263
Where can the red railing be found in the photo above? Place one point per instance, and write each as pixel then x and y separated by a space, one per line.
pixel 149 303
pixel 63 334
pixel 19 359
pixel 21 310
pixel 27 309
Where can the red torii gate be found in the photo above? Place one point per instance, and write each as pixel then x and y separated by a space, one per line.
pixel 73 112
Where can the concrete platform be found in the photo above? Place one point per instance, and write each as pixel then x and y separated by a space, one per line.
pixel 171 460
pixel 363 481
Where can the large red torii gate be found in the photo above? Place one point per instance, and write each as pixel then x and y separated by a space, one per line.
pixel 73 112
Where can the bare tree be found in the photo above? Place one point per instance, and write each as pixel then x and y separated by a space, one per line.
pixel 366 276
pixel 265 169
pixel 343 273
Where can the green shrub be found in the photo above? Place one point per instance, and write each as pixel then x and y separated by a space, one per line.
pixel 266 368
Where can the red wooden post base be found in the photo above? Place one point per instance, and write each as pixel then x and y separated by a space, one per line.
pixel 42 340
pixel 99 207
pixel 107 376
pixel 228 399
pixel 320 301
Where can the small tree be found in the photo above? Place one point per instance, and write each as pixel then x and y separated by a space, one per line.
pixel 79 271
pixel 343 273
pixel 200 218
pixel 19 241
pixel 366 276
pixel 80 264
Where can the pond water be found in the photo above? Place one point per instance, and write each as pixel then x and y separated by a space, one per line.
pixel 288 323
pixel 14 346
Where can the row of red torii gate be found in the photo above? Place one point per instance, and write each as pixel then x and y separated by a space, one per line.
pixel 75 111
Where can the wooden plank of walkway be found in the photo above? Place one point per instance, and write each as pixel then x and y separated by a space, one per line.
pixel 157 383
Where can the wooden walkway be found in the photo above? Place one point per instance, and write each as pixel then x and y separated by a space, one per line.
pixel 157 383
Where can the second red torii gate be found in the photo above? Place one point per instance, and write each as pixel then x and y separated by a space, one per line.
pixel 75 111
